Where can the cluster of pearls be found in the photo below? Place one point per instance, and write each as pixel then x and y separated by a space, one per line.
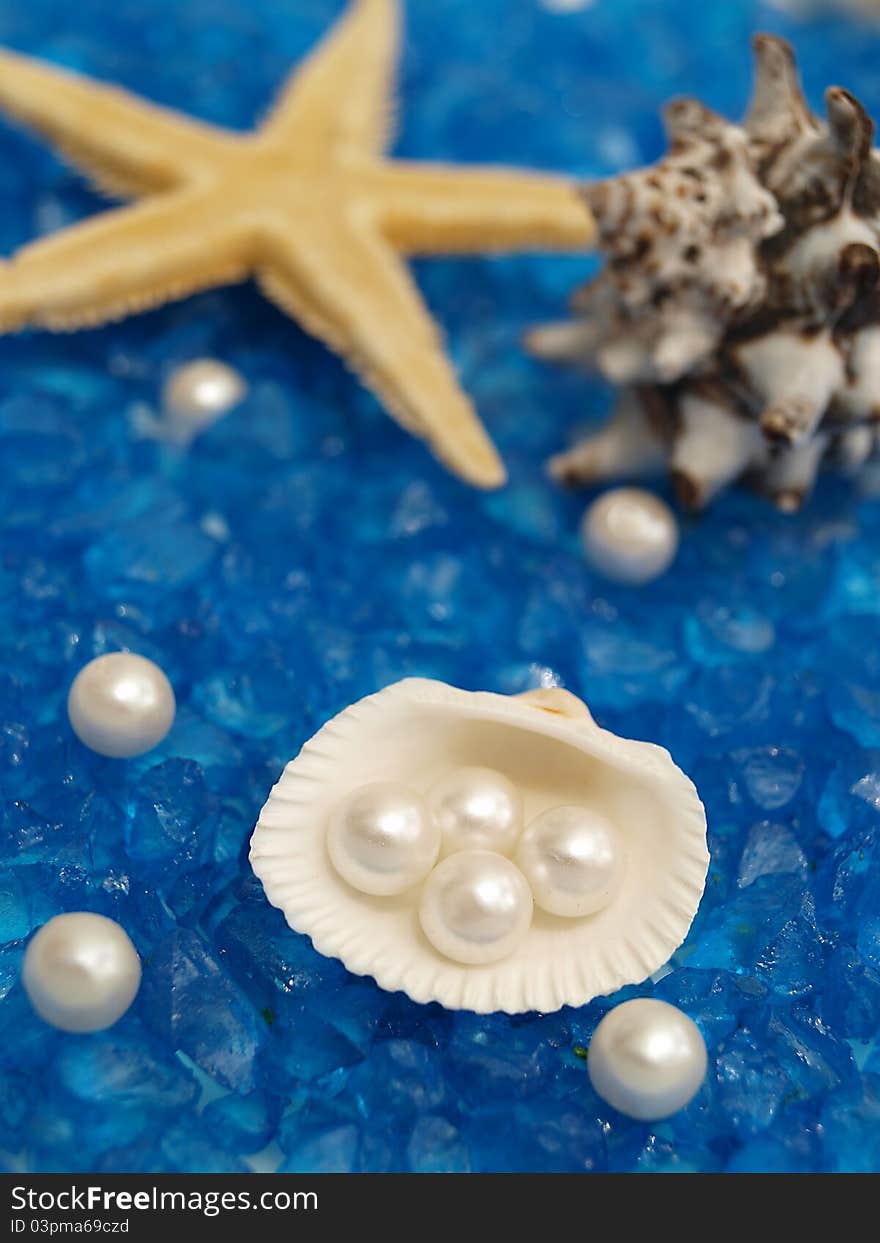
pixel 476 904
pixel 81 972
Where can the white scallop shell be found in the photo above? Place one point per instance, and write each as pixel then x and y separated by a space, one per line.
pixel 550 746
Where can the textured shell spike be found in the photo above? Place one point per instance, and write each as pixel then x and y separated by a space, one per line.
pixel 778 114
pixel 713 444
pixel 866 192
pixel 631 445
pixel 825 260
pixel 792 379
pixel 702 142
pixel 815 174
pixel 790 473
pixel 578 340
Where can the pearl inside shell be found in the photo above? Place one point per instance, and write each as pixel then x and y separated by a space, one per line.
pixel 476 809
pixel 573 859
pixel 81 972
pixel 121 705
pixel 476 907
pixel 382 839
pixel 647 1059
pixel 630 535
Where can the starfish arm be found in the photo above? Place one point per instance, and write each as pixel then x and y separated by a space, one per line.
pixel 435 209
pixel 346 286
pixel 342 95
pixel 122 261
pixel 126 145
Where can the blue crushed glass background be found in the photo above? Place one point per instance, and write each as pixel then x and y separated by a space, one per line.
pixel 304 552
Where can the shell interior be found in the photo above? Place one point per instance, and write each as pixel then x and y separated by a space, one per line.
pixel 416 730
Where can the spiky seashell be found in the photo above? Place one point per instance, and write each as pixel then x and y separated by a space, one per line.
pixel 680 242
pixel 545 742
pixel 767 385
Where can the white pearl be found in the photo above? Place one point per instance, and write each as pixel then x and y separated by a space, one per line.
pixel 121 705
pixel 630 535
pixel 199 393
pixel 476 907
pixel 382 840
pixel 573 859
pixel 81 972
pixel 647 1059
pixel 476 809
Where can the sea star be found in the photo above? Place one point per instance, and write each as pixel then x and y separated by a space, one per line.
pixel 306 203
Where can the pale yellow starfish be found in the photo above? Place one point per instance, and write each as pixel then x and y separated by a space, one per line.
pixel 307 204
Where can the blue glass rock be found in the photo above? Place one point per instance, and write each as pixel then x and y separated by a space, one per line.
pixel 303 551
pixel 187 999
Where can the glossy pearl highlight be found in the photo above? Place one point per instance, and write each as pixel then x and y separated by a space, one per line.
pixel 573 859
pixel 476 809
pixel 81 972
pixel 121 705
pixel 647 1059
pixel 382 839
pixel 476 907
pixel 199 393
pixel 630 535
